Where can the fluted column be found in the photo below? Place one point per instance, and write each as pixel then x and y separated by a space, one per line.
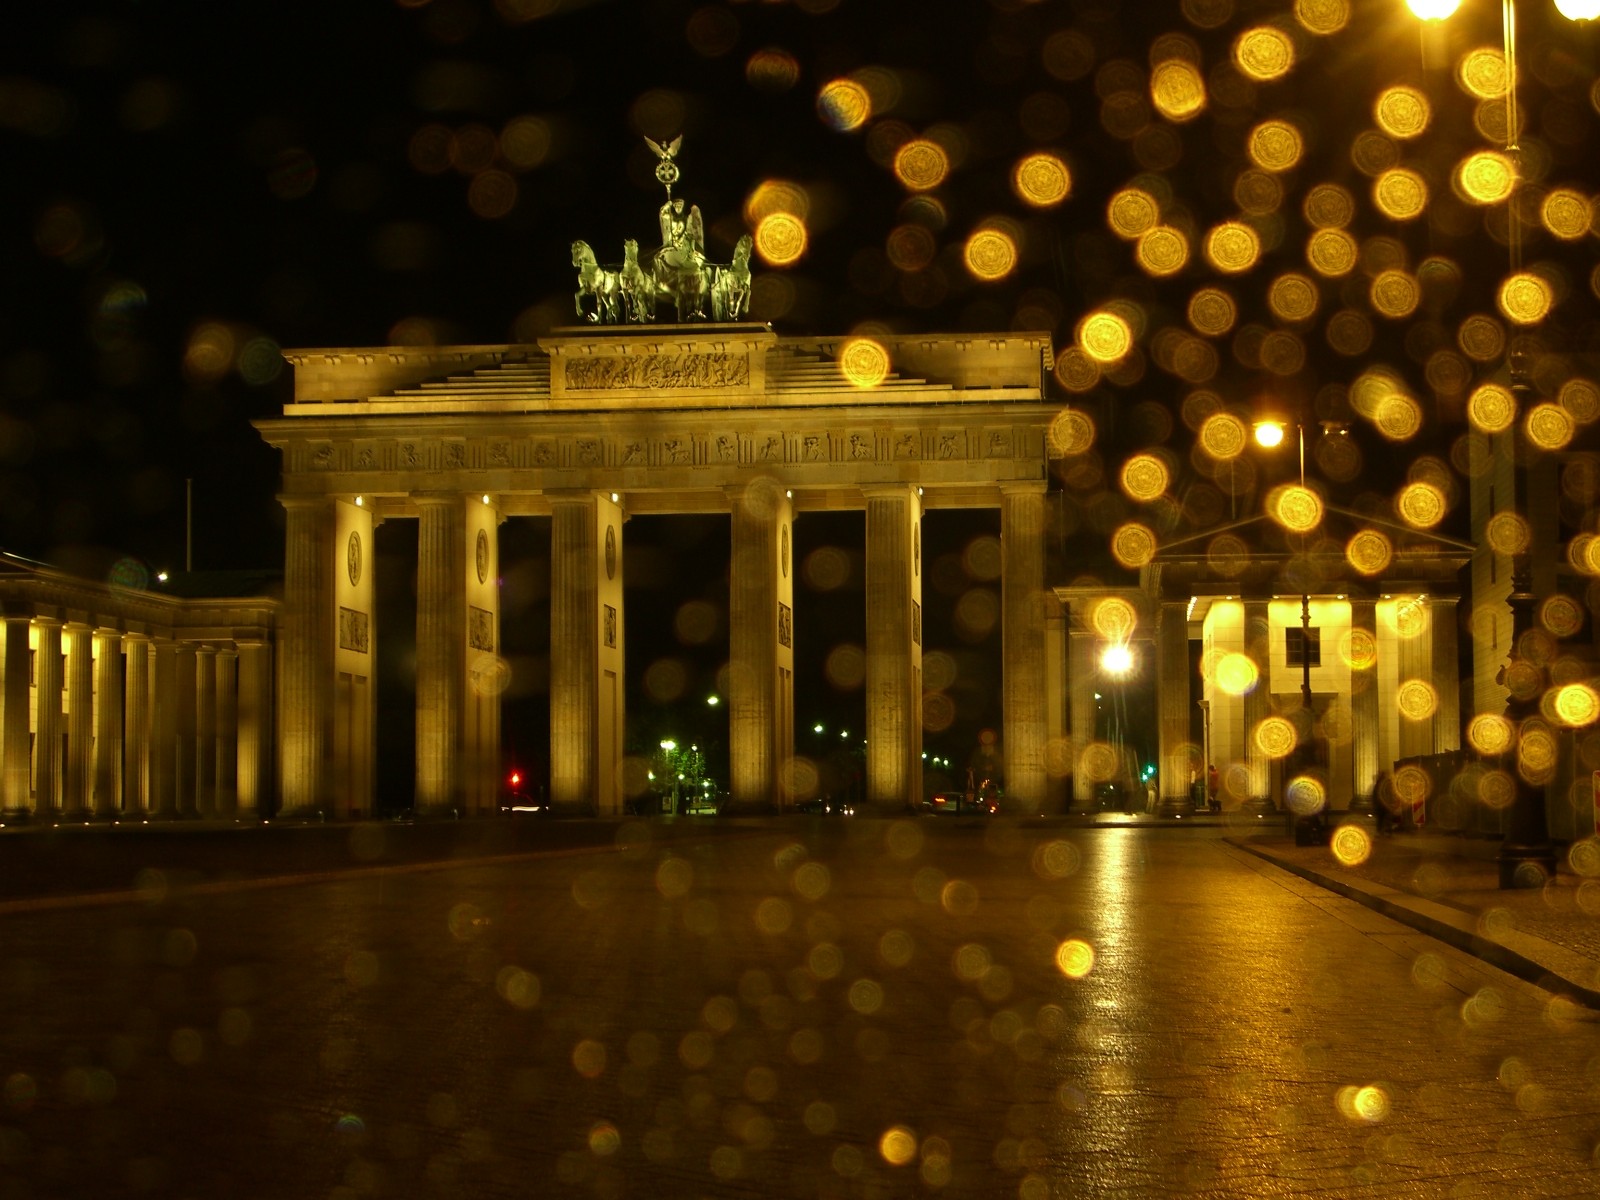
pixel 163 797
pixel 894 648
pixel 80 717
pixel 1175 748
pixel 1023 604
pixel 574 663
pixel 106 784
pixel 305 702
pixel 441 650
pixel 17 775
pixel 760 648
pixel 205 731
pixel 47 718
pixel 1258 705
pixel 1057 753
pixel 255 725
pixel 1446 673
pixel 184 688
pixel 1080 684
pixel 227 732
pixel 137 728
pixel 1364 729
pixel 1412 643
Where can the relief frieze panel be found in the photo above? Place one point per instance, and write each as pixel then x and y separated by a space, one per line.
pixel 657 371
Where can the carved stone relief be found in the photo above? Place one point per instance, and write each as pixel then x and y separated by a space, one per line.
pixel 352 630
pixel 480 628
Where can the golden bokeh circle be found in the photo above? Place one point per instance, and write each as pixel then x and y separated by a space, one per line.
pixel 1293 297
pixel 1076 371
pixel 1400 194
pixel 1144 477
pixel 1581 398
pixel 1224 435
pixel 1395 293
pixel 1351 845
pixel 1298 509
pixel 1567 214
pixel 990 254
pixel 1235 673
pixel 1481 338
pixel 1420 505
pixel 780 239
pixel 1232 247
pixel 921 164
pixel 844 104
pixel 1399 417
pixel 1263 53
pixel 1275 737
pixel 1417 699
pixel 1322 17
pixel 1177 90
pixel 1163 251
pixel 1328 206
pixel 1071 432
pixel 1561 615
pixel 863 362
pixel 1402 111
pixel 1489 733
pixel 1133 545
pixel 1041 180
pixel 1105 337
pixel 1577 704
pixel 1075 958
pixel 1537 750
pixel 1283 353
pixel 1114 618
pixel 1373 152
pixel 1359 649
pixel 1132 213
pixel 1258 192
pixel 1491 408
pixel 1349 332
pixel 1483 73
pixel 1525 298
pixel 1275 145
pixel 1497 790
pixel 1304 795
pixel 1549 426
pixel 1369 552
pixel 1508 533
pixel 1212 311
pixel 1410 617
pixel 1486 177
pixel 1332 252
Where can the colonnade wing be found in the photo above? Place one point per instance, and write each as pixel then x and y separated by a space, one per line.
pixel 590 426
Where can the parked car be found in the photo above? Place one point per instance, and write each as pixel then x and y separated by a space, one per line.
pixel 515 796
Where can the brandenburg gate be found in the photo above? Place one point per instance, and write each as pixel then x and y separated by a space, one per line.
pixel 599 422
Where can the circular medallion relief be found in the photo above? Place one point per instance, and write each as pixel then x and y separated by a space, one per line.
pixel 611 551
pixel 352 558
pixel 483 556
pixel 783 550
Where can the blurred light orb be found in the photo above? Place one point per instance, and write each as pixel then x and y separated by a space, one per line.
pixel 1525 298
pixel 1041 180
pixel 781 239
pixel 1561 616
pixel 1293 297
pixel 911 247
pixel 1132 213
pixel 1133 544
pixel 921 164
pixel 1351 845
pixel 1349 332
pixel 1282 353
pixel 863 362
pixel 1275 145
pixel 1116 660
pixel 898 1145
pixel 1258 192
pixel 1144 477
pixel 1114 619
pixel 1232 247
pixel 1212 311
pixel 1177 90
pixel 1400 194
pixel 1481 338
pixel 1328 206
pixel 844 104
pixel 1163 251
pixel 1433 10
pixel 1409 617
pixel 1402 111
pixel 1359 649
pixel 1581 398
pixel 1537 751
pixel 1420 505
pixel 1508 533
pixel 1224 436
pixel 1395 293
pixel 1489 733
pixel 1235 674
pixel 1486 177
pixel 1549 426
pixel 1491 408
pixel 1577 704
pixel 1369 552
pixel 1332 252
pixel 1105 337
pixel 1399 417
pixel 1305 795
pixel 492 194
pixel 1275 737
pixel 1322 17
pixel 525 142
pixel 772 70
pixel 1482 72
pixel 1416 699
pixel 1567 214
pixel 1263 53
pixel 1373 152
pixel 1076 370
pixel 1071 432
pixel 776 196
pixel 1298 509
pixel 990 254
pixel 1075 958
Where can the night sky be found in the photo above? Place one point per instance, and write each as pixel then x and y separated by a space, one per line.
pixel 186 187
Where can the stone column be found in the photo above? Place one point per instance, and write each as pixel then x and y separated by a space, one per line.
pixel 760 648
pixel 1023 604
pixel 1058 747
pixel 163 727
pixel 17 778
pixel 205 731
pixel 1364 729
pixel 1080 682
pixel 574 661
pixel 441 650
pixel 1175 749
pixel 80 717
pixel 227 732
pixel 185 707
pixel 47 718
pixel 305 702
pixel 1416 734
pixel 1258 705
pixel 1446 673
pixel 255 725
pixel 137 716
pixel 106 799
pixel 894 648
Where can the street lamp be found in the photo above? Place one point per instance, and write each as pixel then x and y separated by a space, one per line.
pixel 1527 858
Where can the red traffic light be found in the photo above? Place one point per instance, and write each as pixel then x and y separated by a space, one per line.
pixel 516 778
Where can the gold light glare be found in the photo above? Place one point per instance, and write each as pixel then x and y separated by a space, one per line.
pixel 1508 533
pixel 1177 90
pixel 863 362
pixel 1114 619
pixel 1132 213
pixel 1212 311
pixel 1420 505
pixel 1328 206
pixel 1416 699
pixel 1577 704
pixel 1293 297
pixel 1322 17
pixel 1581 398
pixel 1332 252
pixel 1566 214
pixel 1263 53
pixel 1275 145
pixel 1483 73
pixel 1491 408
pixel 1071 432
pixel 1400 194
pixel 1298 509
pixel 1075 958
pixel 1133 545
pixel 1105 337
pixel 1275 737
pixel 1232 247
pixel 1395 293
pixel 990 254
pixel 898 1146
pixel 1481 338
pixel 1041 180
pixel 921 164
pixel 844 104
pixel 1398 418
pixel 1076 370
pixel 1369 552
pixel 1525 298
pixel 1144 477
pixel 1351 845
pixel 1486 177
pixel 781 239
pixel 1489 733
pixel 1549 426
pixel 1163 251
pixel 1270 434
pixel 1359 649
pixel 1235 674
pixel 1224 436
pixel 1402 112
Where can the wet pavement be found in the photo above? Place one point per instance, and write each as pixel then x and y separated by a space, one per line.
pixel 822 1007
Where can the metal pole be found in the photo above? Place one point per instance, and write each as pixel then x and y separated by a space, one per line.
pixel 188 524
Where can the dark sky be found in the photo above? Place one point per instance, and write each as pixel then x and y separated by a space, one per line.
pixel 186 187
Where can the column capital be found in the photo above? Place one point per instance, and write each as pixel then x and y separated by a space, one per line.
pixel 439 498
pixel 890 491
pixel 1024 487
pixel 45 621
pixel 135 635
pixel 301 500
